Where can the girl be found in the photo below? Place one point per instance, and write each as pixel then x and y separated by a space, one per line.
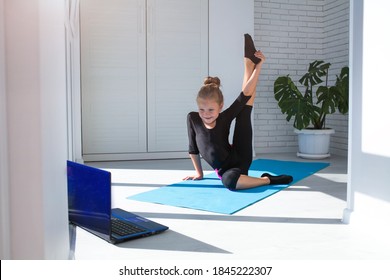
pixel 208 129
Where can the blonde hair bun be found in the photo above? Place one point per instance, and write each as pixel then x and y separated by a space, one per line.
pixel 212 80
pixel 211 90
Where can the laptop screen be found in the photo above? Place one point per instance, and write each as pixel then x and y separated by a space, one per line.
pixel 89 197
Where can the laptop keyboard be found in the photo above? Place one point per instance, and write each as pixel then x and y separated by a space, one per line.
pixel 123 228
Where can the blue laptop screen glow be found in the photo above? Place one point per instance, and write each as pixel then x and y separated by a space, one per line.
pixel 89 197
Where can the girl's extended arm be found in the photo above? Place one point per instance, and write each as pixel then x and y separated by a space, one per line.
pixel 195 158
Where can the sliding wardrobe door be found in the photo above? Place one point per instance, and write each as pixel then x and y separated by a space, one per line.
pixel 113 76
pixel 142 64
pixel 177 62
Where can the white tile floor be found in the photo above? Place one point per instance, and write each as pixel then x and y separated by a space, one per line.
pixel 298 223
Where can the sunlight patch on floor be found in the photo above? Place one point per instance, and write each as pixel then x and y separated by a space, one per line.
pixel 334 177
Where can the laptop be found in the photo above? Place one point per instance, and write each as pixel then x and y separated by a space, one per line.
pixel 89 201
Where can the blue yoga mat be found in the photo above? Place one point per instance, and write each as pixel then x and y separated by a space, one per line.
pixel 210 195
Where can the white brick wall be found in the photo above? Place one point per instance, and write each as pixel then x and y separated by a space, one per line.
pixel 293 33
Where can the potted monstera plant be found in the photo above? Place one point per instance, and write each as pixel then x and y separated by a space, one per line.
pixel 310 108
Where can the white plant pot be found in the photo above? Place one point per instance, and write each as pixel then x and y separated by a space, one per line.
pixel 314 143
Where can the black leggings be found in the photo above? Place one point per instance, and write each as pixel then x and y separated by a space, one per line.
pixel 242 146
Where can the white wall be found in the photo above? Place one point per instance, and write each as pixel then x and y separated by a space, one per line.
pixel 53 115
pixel 369 154
pixel 36 128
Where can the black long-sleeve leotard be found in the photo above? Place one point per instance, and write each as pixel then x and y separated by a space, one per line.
pixel 213 144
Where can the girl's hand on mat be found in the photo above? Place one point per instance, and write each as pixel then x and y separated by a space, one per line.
pixel 196 177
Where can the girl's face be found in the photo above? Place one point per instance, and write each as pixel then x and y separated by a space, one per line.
pixel 209 111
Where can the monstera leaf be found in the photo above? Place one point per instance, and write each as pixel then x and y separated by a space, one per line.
pixel 316 70
pixel 342 85
pixel 327 99
pixel 293 103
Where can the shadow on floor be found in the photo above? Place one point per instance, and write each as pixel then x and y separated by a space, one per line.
pixel 231 218
pixel 172 241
